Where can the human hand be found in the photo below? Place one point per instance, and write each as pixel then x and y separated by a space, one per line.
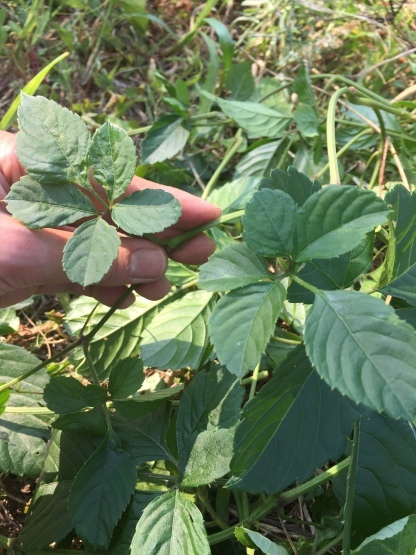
pixel 31 260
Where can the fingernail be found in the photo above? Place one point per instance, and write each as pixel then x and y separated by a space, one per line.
pixel 147 264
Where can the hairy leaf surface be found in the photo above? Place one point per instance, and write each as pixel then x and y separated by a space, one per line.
pixel 91 250
pixel 292 182
pixel 293 426
pixel 242 323
pixel 52 143
pixel 233 266
pixel 146 211
pixel 178 335
pixel 171 525
pixel 112 157
pixel 335 220
pixel 207 415
pixel 43 205
pixel 269 223
pixel 100 492
pixel 360 346
pixel 23 437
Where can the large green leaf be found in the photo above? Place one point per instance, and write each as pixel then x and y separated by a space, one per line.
pixel 385 487
pixel 292 182
pixel 23 437
pixel 171 525
pixel 335 220
pixel 91 250
pixel 146 211
pixel 112 157
pixel 269 223
pixel 124 531
pixel 254 117
pixel 100 492
pixel 293 426
pixel 166 138
pixel 240 80
pixel 48 520
pixel 64 394
pixel 400 276
pixel 260 160
pixel 233 266
pixel 306 120
pixel 43 205
pixel 139 406
pixel 52 143
pixel 178 336
pixel 360 346
pixel 207 415
pixel 242 323
pixel 144 439
pixel 333 273
pixel 396 538
pixel 116 340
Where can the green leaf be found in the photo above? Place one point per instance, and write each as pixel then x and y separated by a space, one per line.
pixel 208 412
pixel 48 520
pixel 360 346
pixel 117 339
pixel 171 525
pixel 292 182
pixel 254 117
pixel 43 205
pixel 178 336
pixel 255 540
pixel 386 476
pixel 112 157
pixel 210 82
pixel 306 120
pixel 124 531
pixel 144 439
pixel 233 266
pixel 242 323
pixel 240 80
pixel 89 421
pixel 234 195
pixel 225 38
pixel 52 143
pixel 269 223
pixel 100 492
pixel 66 394
pixel 146 211
pixel 260 160
pixel 166 139
pixel 333 273
pixel 294 404
pixel 126 377
pixel 23 437
pixel 335 220
pixel 4 399
pixel 139 406
pixel 398 537
pixel 400 278
pixel 91 250
pixel 9 321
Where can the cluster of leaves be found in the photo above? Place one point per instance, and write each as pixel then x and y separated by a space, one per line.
pixel 55 147
pixel 284 302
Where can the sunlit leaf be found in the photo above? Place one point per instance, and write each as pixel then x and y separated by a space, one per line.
pixel 126 377
pixel 166 138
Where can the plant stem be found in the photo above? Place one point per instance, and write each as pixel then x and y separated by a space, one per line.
pixel 238 141
pixel 329 545
pixel 351 481
pixel 176 241
pixel 260 376
pixel 28 410
pixel 285 498
pixel 207 505
pixel 96 380
pixel 304 284
pixel 254 379
pixel 331 143
pixel 7 543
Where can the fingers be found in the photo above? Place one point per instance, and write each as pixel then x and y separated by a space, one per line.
pixel 31 262
pixel 10 167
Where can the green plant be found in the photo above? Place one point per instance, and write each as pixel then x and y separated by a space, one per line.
pixel 148 472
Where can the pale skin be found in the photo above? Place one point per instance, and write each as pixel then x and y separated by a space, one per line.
pixel 31 260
